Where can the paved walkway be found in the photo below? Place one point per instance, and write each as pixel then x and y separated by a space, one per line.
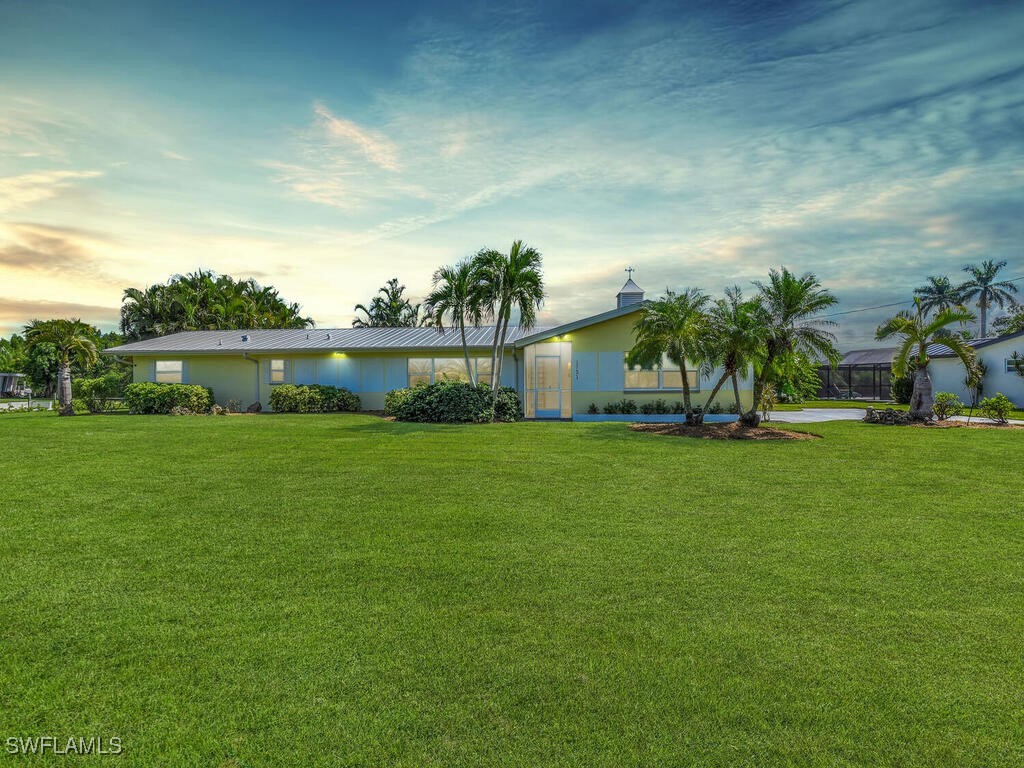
pixel 816 415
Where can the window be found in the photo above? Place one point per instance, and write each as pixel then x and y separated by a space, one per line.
pixel 425 370
pixel 278 370
pixel 168 371
pixel 1015 365
pixel 664 376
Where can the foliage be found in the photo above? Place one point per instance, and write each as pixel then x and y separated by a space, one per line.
pixel 947 404
pixel 796 378
pixel 390 308
pixel 69 342
pixel 204 300
pixel 98 392
pixel 1017 361
pixel 901 388
pixel 456 296
pixel 939 294
pixel 1011 322
pixel 738 330
pixel 593 409
pixel 150 397
pixel 312 398
pixel 674 327
pixel 768 400
pixel 792 304
pixel 447 402
pixel 506 283
pixel 625 405
pixel 989 292
pixel 13 354
pixel 80 406
pixel 997 407
pixel 659 405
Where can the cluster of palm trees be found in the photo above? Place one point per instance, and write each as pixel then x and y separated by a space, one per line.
pixel 982 287
pixel 765 332
pixel 390 308
pixel 489 286
pixel 204 300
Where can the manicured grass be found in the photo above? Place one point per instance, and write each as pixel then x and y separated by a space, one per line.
pixel 340 590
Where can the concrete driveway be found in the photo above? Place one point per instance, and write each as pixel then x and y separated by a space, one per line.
pixel 815 415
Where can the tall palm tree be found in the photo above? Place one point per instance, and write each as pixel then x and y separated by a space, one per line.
pixel 456 295
pixel 508 282
pixel 917 332
pixel 790 304
pixel 737 332
pixel 984 287
pixel 674 326
pixel 73 340
pixel 939 294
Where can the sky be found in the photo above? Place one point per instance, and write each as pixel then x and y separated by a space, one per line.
pixel 323 149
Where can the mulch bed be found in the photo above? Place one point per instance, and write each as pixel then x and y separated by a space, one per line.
pixel 964 424
pixel 727 431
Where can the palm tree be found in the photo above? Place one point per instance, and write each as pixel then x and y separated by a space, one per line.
pixel 983 286
pixel 674 327
pixel 389 308
pixel 790 305
pixel 939 294
pixel 918 332
pixel 456 295
pixel 73 340
pixel 737 331
pixel 508 282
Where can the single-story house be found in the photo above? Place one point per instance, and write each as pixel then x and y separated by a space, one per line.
pixel 12 384
pixel 995 354
pixel 558 371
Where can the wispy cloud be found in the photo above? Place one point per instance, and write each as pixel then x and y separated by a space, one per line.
pixel 29 188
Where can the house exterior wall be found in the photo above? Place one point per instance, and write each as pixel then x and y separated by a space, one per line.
pixel 948 373
pixel 598 369
pixel 369 375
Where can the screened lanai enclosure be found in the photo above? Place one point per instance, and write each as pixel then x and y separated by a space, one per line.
pixel 864 374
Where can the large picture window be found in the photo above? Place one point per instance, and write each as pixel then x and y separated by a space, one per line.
pixel 168 371
pixel 426 370
pixel 666 375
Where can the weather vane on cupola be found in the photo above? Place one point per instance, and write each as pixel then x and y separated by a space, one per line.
pixel 629 272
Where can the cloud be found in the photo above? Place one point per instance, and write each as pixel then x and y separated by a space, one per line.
pixel 26 189
pixel 343 134
pixel 166 153
pixel 39 248
pixel 16 312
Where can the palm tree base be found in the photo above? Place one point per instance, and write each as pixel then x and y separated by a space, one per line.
pixel 750 419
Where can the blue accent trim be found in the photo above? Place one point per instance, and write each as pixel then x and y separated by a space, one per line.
pixel 611 373
pixel 396 374
pixel 654 418
pixel 584 371
pixel 305 371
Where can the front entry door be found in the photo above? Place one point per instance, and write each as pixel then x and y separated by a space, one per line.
pixel 548 403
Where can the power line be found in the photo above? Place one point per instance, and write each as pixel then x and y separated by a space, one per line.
pixel 898 303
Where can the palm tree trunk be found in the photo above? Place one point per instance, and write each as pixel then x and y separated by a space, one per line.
pixel 64 390
pixel 736 394
pixel 497 338
pixel 718 386
pixel 496 370
pixel 692 419
pixel 983 305
pixel 922 405
pixel 465 352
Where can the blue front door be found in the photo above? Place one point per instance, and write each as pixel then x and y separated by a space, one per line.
pixel 548 403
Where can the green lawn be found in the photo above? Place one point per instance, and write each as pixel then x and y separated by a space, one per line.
pixel 340 590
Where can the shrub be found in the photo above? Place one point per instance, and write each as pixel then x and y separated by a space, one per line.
pixel 732 408
pixel 715 407
pixel 947 404
pixel 450 402
pixel 148 397
pixel 678 407
pixel 901 388
pixel 312 398
pixel 997 407
pixel 656 406
pixel 592 409
pixel 234 406
pixel 625 405
pixel 80 406
pixel 98 393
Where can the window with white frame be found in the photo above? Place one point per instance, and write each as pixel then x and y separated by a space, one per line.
pixel 426 370
pixel 1015 365
pixel 278 371
pixel 168 372
pixel 665 375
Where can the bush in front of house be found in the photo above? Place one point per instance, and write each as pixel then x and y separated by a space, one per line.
pixel 97 394
pixel 149 397
pixel 901 388
pixel 997 408
pixel 312 398
pixel 947 404
pixel 451 402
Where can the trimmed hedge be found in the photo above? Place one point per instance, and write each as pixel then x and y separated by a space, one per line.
pixel 451 402
pixel 312 398
pixel 149 397
pixel 97 393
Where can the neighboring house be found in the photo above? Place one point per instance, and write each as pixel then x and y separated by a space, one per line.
pixel 948 373
pixel 557 371
pixel 862 374
pixel 12 385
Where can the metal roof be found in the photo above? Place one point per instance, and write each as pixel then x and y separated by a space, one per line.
pixel 941 350
pixel 313 340
pixel 631 287
pixel 868 356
